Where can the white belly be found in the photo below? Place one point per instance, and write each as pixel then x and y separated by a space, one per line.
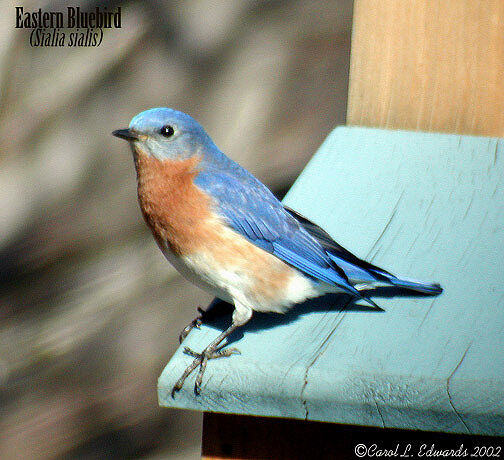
pixel 261 281
pixel 191 273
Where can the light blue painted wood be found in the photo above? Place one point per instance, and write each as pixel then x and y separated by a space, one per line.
pixel 428 206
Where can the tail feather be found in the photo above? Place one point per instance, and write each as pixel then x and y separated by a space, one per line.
pixel 365 278
pixel 416 286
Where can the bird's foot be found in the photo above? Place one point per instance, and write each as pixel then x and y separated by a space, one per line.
pixel 201 359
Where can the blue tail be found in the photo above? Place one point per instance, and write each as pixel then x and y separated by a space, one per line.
pixel 363 276
pixel 416 286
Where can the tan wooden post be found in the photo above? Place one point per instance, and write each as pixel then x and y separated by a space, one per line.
pixel 428 65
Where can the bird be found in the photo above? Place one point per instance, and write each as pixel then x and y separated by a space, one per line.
pixel 226 232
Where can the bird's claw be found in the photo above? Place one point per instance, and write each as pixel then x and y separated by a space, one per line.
pixel 195 323
pixel 201 359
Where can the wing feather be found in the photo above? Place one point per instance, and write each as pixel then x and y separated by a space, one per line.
pixel 254 212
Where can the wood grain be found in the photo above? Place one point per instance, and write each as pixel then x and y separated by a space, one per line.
pixel 434 65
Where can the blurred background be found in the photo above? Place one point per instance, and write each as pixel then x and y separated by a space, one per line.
pixel 89 309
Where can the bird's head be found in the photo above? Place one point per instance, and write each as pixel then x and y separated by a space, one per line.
pixel 164 133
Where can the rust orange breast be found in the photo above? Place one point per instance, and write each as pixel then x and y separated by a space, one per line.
pixel 173 207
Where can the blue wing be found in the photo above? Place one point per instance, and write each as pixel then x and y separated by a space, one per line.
pixel 254 212
pixel 360 271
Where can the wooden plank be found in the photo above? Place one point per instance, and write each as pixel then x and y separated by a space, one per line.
pixel 434 65
pixel 428 206
pixel 242 437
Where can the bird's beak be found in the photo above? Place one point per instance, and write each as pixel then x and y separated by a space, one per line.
pixel 125 134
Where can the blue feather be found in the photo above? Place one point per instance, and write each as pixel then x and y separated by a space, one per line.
pixel 254 212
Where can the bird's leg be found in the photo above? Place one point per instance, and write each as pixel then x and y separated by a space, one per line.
pixel 201 359
pixel 241 315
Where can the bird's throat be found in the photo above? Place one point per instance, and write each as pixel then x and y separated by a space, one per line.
pixel 174 208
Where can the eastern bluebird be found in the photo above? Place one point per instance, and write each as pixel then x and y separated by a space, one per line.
pixel 225 231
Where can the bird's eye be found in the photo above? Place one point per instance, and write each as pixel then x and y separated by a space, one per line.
pixel 167 131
